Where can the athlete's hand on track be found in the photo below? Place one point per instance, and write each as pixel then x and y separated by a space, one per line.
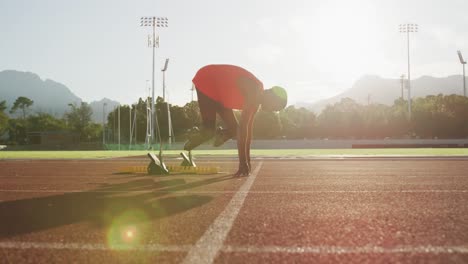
pixel 243 171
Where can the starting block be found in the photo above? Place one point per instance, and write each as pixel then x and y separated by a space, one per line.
pixel 172 169
pixel 156 166
pixel 187 160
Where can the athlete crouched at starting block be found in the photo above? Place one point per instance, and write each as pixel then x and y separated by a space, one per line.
pixel 222 88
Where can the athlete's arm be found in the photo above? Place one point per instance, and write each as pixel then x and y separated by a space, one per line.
pixel 252 96
pixel 244 138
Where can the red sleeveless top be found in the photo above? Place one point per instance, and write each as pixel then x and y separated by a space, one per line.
pixel 221 83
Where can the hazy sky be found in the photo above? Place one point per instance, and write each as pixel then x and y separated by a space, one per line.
pixel 314 48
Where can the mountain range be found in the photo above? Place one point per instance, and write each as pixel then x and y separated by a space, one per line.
pixel 49 96
pixel 374 89
pixel 53 97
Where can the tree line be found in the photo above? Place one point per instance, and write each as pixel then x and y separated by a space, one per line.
pixel 434 116
pixel 19 121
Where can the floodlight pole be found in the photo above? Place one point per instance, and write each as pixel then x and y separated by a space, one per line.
pixel 114 131
pixel 464 81
pixel 148 122
pixel 119 125
pixel 463 62
pixel 164 69
pixel 135 123
pixel 407 28
pixel 193 89
pixel 153 110
pixel 169 121
pixel 154 22
pixel 130 127
pixel 402 83
pixel 148 117
pixel 104 124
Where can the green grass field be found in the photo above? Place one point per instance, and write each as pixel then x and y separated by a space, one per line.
pixel 232 152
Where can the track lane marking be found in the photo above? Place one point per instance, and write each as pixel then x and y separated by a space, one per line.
pixel 96 247
pixel 427 249
pixel 332 250
pixel 242 192
pixel 209 245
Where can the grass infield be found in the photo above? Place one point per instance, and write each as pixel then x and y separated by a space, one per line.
pixel 233 152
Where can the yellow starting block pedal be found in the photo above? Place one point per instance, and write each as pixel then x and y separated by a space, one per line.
pixel 173 169
pixel 134 169
pixel 193 170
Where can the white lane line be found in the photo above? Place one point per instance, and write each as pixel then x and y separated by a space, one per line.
pixel 428 249
pixel 112 162
pixel 207 247
pixel 98 247
pixel 342 176
pixel 229 192
pixel 334 250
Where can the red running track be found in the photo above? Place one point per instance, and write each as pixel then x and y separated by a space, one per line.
pixel 287 211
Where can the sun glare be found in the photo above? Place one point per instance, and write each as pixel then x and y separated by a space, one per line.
pixel 344 40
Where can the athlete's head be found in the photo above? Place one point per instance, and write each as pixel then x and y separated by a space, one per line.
pixel 274 99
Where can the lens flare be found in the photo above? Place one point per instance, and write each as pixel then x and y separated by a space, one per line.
pixel 125 230
pixel 129 234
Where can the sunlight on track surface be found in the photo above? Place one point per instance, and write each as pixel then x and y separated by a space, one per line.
pixel 336 210
pixel 233 152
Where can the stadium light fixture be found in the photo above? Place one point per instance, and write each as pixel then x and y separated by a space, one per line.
pixel 166 63
pixel 463 62
pixel 409 28
pixel 154 22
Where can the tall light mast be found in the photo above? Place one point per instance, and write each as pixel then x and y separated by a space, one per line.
pixel 463 62
pixel 409 28
pixel 153 42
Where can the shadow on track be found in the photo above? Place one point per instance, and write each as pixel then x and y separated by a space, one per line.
pixel 102 206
